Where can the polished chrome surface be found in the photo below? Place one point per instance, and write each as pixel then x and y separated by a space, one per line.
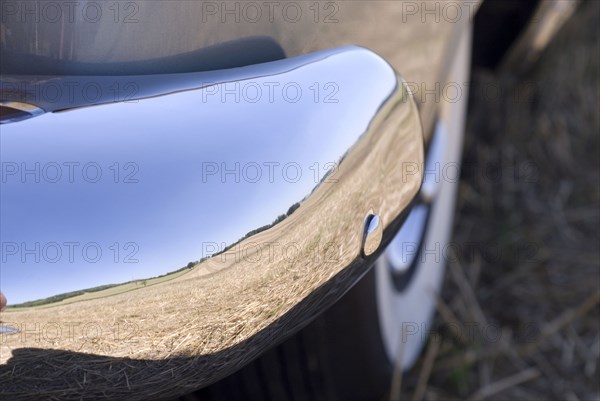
pixel 417 302
pixel 435 168
pixel 229 219
pixel 17 111
pixel 7 329
pixel 402 252
pixel 373 235
pixel 404 248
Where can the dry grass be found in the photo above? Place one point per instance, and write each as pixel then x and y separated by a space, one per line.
pixel 114 290
pixel 539 295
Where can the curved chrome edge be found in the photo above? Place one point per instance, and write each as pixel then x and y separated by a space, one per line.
pixel 30 111
pixel 402 252
pixel 57 93
pixel 235 302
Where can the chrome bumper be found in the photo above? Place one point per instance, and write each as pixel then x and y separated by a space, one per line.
pixel 230 207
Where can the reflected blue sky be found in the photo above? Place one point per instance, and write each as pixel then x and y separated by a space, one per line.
pixel 171 210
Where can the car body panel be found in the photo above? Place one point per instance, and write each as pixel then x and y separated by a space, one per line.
pixel 416 38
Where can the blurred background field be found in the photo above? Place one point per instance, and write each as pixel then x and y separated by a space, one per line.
pixel 526 286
